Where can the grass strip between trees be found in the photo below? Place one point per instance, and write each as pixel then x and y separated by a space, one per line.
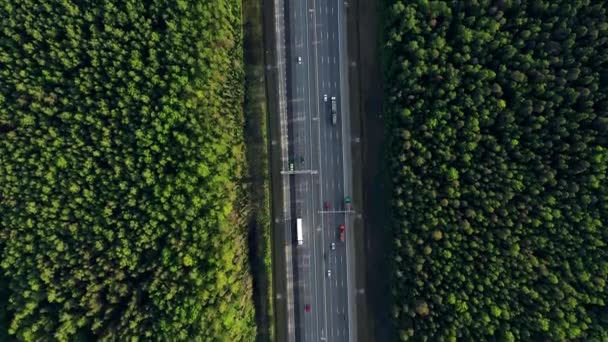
pixel 257 156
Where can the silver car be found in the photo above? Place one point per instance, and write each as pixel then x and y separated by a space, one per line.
pixel 329 273
pixel 333 246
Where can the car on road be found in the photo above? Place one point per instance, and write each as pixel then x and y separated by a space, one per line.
pixel 326 205
pixel 347 202
pixel 333 246
pixel 342 232
pixel 324 97
pixel 299 60
pixel 329 273
pixel 307 308
pixel 291 167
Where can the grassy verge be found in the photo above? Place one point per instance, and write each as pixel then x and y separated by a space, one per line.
pixel 371 181
pixel 257 157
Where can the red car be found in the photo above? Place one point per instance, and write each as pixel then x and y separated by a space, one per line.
pixel 342 232
pixel 307 308
pixel 326 205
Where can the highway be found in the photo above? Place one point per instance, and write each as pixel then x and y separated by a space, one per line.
pixel 319 153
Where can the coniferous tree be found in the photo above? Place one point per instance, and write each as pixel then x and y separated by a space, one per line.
pixel 497 113
pixel 121 158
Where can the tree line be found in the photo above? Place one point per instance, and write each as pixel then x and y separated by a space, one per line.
pixel 497 112
pixel 121 160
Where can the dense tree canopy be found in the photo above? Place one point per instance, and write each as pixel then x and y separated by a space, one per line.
pixel 121 152
pixel 499 133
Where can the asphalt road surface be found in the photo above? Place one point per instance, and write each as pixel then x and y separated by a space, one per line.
pixel 320 151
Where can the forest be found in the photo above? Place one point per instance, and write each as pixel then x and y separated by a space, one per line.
pixel 121 168
pixel 497 112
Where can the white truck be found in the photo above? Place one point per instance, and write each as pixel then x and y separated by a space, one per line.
pixel 334 110
pixel 299 232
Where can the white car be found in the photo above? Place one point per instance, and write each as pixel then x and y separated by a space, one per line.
pixel 333 246
pixel 329 273
pixel 324 97
pixel 299 60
